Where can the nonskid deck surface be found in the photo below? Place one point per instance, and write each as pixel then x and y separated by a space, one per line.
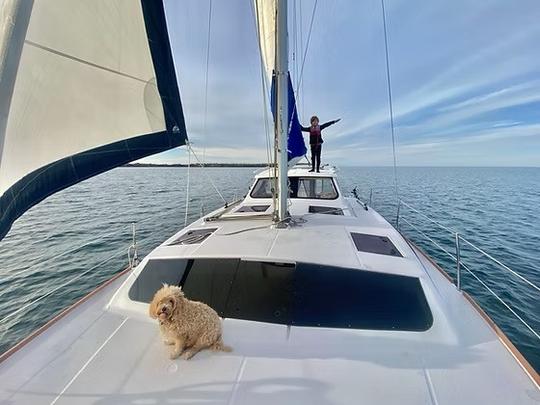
pixel 95 356
pixel 109 350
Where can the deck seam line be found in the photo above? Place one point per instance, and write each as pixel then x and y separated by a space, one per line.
pixel 429 383
pixel 88 362
pixel 273 243
pixel 237 382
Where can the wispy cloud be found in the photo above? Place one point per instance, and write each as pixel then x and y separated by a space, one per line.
pixel 465 80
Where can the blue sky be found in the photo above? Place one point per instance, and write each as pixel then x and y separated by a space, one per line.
pixel 465 80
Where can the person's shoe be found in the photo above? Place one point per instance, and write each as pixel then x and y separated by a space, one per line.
pixel 312 170
pixel 318 171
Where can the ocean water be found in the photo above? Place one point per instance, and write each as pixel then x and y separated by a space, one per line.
pixel 73 241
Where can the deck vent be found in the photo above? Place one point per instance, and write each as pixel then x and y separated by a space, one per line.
pixel 253 208
pixel 375 244
pixel 194 236
pixel 317 209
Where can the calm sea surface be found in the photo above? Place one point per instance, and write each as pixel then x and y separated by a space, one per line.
pixel 82 234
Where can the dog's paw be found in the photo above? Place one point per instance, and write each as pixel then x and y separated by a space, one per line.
pixel 187 355
pixel 173 355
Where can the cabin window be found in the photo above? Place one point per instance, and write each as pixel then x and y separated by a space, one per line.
pixel 262 189
pixel 321 188
pixel 300 294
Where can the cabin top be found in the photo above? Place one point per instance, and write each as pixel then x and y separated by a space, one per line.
pixel 301 169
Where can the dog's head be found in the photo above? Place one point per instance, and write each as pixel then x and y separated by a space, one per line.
pixel 165 302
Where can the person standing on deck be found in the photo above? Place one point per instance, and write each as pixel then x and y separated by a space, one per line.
pixel 316 141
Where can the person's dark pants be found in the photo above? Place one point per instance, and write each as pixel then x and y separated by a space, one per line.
pixel 316 156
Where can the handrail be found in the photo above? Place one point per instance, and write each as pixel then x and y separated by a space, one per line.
pixel 460 264
pixel 11 276
pixel 504 266
pixel 44 292
pixel 461 238
pixel 502 301
pixel 428 218
pixel 33 302
pixel 428 238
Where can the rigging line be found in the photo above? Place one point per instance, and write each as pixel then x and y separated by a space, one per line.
pixel 300 79
pixel 266 120
pixel 206 79
pixel 308 40
pixel 266 92
pixel 264 87
pixel 390 103
pixel 187 186
pixel 301 49
pixel 295 41
pixel 206 174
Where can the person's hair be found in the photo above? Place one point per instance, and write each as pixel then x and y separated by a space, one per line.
pixel 314 118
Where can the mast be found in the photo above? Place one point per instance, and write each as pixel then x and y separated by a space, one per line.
pixel 282 108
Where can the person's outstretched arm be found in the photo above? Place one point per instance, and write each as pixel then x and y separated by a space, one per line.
pixel 327 124
pixel 304 129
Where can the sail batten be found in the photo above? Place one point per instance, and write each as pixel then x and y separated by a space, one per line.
pixel 95 88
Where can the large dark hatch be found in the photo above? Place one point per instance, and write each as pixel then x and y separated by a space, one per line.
pixel 302 294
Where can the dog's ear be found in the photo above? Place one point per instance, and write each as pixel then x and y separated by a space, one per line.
pixel 152 308
pixel 173 299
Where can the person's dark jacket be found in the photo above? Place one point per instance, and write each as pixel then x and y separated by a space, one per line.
pixel 315 137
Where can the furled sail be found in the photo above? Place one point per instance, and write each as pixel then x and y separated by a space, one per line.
pixel 85 86
pixel 266 25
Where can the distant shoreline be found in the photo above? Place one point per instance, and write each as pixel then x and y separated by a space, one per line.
pixel 259 165
pixel 197 165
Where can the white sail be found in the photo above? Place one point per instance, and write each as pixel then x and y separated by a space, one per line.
pixel 266 27
pixel 85 86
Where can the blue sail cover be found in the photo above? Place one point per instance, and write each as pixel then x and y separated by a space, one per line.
pixel 296 146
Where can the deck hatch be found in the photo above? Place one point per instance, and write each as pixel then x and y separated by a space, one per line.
pixel 301 294
pixel 318 209
pixel 381 245
pixel 193 236
pixel 253 208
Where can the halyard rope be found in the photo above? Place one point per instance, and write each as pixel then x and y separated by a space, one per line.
pixel 187 185
pixel 390 104
pixel 206 79
pixel 206 174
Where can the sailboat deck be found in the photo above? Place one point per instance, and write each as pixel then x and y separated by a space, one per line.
pixel 107 352
pixel 319 238
pixel 108 357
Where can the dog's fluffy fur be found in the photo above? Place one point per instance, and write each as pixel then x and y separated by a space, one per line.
pixel 190 326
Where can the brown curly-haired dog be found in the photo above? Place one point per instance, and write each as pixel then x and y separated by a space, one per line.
pixel 188 325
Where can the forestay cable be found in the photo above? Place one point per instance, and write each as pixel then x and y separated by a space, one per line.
pixel 187 185
pixel 206 174
pixel 206 79
pixel 307 46
pixel 301 76
pixel 390 104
